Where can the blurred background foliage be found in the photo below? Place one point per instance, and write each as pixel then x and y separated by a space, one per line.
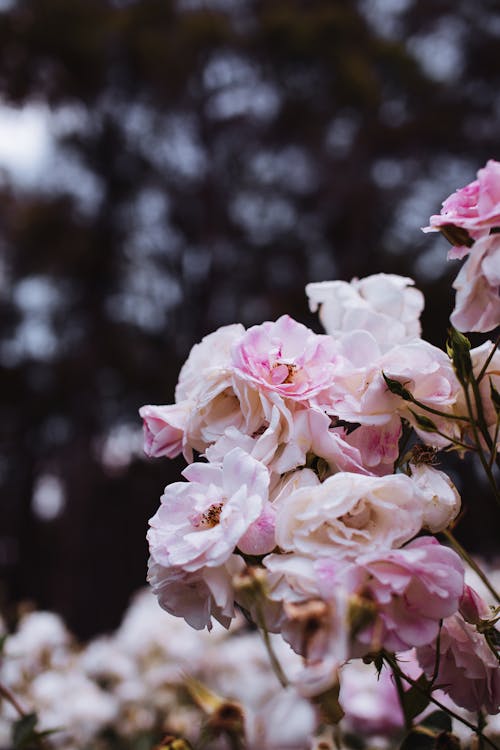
pixel 170 166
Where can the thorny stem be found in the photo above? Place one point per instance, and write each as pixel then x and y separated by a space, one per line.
pixel 471 562
pixel 440 705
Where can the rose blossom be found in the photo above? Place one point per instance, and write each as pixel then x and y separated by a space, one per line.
pixel 475 206
pixel 212 358
pixel 442 499
pixel 386 305
pixel 200 522
pixel 477 302
pixel 196 596
pixel 164 429
pixel 349 514
pixel 473 608
pixel 362 395
pixel 378 445
pixel 412 589
pixel 468 670
pixel 285 357
pixel 291 433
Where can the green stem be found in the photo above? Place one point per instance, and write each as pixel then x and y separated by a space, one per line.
pixel 451 713
pixel 480 451
pixel 277 668
pixel 488 359
pixel 471 562
pixel 480 414
pixel 401 696
pixel 456 417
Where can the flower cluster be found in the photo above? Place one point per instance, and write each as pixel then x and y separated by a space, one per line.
pixel 303 503
pixel 156 676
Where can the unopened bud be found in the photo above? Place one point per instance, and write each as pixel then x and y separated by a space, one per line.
pixel 472 607
pixel 228 718
pixel 397 388
pixel 458 348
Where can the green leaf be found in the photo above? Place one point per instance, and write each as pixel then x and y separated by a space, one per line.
pixel 424 423
pixel 24 730
pixel 3 639
pixel 438 720
pixel 417 698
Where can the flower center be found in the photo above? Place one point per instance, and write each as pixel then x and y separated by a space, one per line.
pixel 358 517
pixel 283 373
pixel 210 517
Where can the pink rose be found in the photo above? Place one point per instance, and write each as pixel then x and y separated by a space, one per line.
pixel 196 596
pixel 200 522
pixel 412 589
pixel 164 429
pixel 378 445
pixel 477 302
pixel 475 206
pixel 287 358
pixel 468 670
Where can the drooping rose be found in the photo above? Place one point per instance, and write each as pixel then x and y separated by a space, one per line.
pixel 468 670
pixel 385 305
pixel 475 207
pixel 410 589
pixel 477 301
pixel 196 596
pixel 164 428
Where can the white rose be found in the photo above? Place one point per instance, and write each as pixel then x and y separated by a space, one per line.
pixel 348 515
pixel 386 305
pixel 442 501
